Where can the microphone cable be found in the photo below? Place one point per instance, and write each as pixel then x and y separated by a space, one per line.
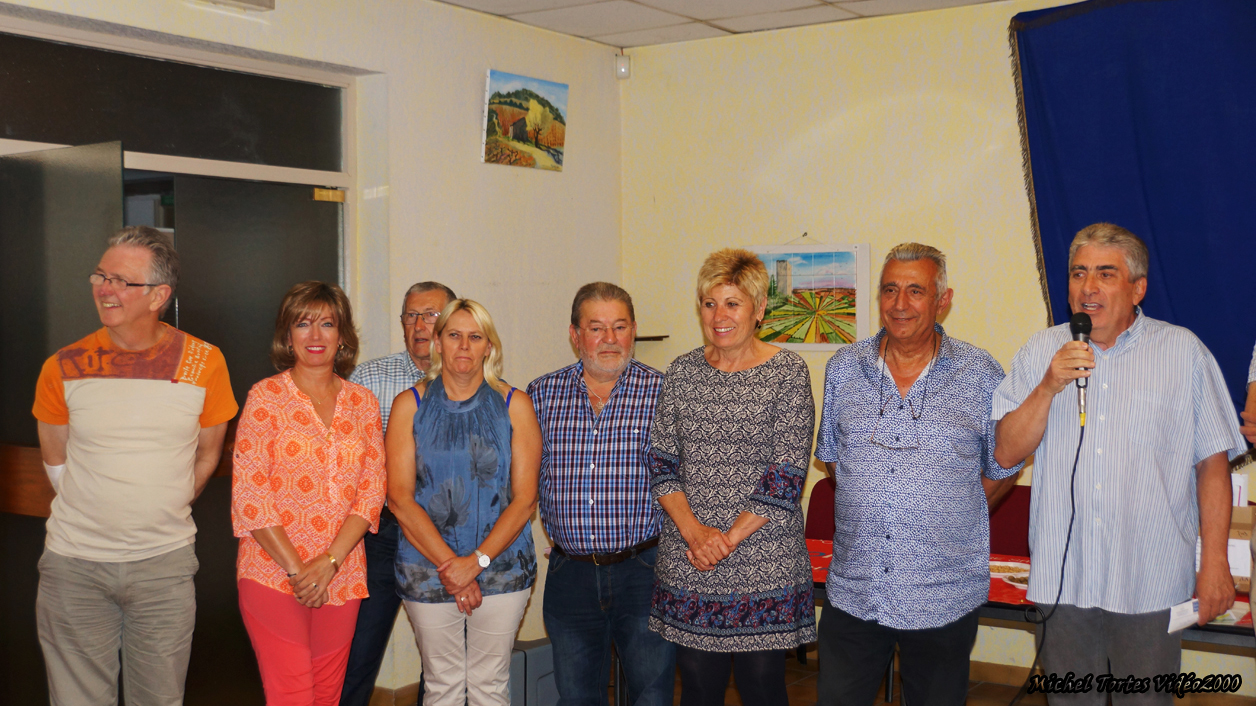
pixel 1033 613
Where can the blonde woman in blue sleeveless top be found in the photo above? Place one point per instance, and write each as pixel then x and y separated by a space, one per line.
pixel 464 451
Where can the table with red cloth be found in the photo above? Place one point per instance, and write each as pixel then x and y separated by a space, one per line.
pixel 1004 595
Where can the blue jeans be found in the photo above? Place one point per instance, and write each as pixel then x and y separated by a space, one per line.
pixel 586 608
pixel 376 615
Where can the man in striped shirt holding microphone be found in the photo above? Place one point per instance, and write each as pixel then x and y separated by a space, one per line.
pixel 1150 460
pixel 595 420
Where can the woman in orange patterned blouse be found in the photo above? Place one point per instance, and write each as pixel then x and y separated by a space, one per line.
pixel 308 484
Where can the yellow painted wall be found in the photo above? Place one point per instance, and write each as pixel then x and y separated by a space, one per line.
pixel 878 131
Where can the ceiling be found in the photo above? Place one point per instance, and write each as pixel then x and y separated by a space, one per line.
pixel 633 23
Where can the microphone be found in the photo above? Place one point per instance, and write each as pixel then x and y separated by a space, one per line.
pixel 1079 326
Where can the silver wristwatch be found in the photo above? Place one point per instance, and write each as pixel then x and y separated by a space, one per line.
pixel 483 559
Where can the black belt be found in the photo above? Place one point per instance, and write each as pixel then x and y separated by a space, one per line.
pixel 614 557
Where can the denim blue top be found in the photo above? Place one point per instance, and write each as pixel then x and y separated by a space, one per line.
pixel 462 482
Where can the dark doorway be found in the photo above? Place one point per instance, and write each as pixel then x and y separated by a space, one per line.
pixel 242 244
pixel 250 242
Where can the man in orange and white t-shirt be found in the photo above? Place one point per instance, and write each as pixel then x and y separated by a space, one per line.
pixel 131 425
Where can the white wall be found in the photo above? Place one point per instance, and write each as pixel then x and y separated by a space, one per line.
pixel 520 241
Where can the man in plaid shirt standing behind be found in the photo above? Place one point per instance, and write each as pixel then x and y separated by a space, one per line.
pixel 595 420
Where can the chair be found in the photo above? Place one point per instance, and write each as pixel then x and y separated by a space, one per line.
pixel 1009 524
pixel 820 524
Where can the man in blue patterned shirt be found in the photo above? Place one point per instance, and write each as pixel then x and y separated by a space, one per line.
pixel 906 433
pixel 1151 471
pixel 595 420
pixel 387 377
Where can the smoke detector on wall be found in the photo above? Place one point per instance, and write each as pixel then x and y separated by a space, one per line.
pixel 623 66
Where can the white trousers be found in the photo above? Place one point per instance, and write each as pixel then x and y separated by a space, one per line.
pixel 467 660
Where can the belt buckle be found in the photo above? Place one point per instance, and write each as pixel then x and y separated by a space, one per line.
pixel 595 562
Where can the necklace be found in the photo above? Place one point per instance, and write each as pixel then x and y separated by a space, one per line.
pixel 597 406
pixel 915 415
pixel 312 397
pixel 600 400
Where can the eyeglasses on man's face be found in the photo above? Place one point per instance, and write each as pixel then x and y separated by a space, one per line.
pixel 598 330
pixel 429 317
pixel 117 283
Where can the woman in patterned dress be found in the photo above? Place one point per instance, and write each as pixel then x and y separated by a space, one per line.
pixel 464 453
pixel 307 484
pixel 729 453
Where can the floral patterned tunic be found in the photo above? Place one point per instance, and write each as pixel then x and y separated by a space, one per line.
pixel 735 442
pixel 462 482
pixel 290 470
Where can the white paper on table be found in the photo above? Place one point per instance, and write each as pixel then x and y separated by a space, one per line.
pixel 1184 615
pixel 1238 552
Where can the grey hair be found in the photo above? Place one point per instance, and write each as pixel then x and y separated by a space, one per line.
pixel 425 287
pixel 1108 235
pixel 911 252
pixel 164 266
pixel 602 292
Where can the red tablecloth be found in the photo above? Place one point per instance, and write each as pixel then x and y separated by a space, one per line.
pixel 1001 591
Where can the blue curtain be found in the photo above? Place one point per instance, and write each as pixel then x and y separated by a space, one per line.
pixel 1143 113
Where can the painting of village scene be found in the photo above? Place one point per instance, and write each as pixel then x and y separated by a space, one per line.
pixel 816 295
pixel 525 121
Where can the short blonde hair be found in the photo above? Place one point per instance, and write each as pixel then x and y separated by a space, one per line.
pixel 492 361
pixel 739 268
pixel 305 301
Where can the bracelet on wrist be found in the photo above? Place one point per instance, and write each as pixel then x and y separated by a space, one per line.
pixel 334 565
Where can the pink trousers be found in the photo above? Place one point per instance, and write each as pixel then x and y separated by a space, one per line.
pixel 301 652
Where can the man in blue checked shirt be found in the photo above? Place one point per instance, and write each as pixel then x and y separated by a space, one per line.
pixel 595 420
pixel 1152 472
pixel 906 433
pixel 387 377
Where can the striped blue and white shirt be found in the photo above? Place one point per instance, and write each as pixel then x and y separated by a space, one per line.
pixel 912 546
pixel 595 484
pixel 1251 372
pixel 1156 406
pixel 387 377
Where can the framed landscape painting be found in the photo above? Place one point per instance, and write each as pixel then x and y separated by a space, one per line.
pixel 818 295
pixel 525 121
